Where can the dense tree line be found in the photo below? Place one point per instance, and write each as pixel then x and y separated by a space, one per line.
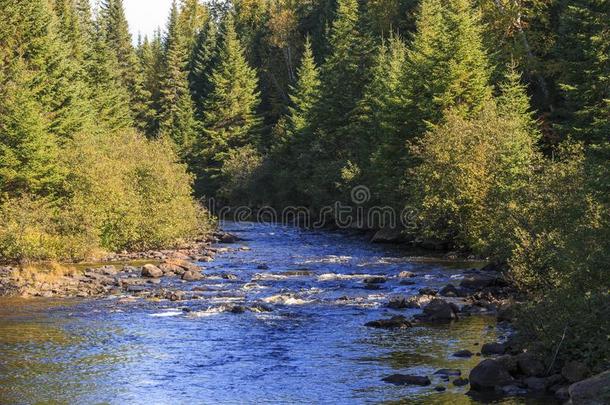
pixel 489 117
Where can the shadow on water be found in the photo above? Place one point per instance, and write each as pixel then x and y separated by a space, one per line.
pixel 312 348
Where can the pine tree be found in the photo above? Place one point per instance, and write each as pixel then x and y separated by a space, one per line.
pixel 28 151
pixel 305 94
pixel 203 60
pixel 230 116
pixel 151 55
pixel 230 110
pixel 116 32
pixel 344 71
pixel 447 65
pixel 513 101
pixel 177 115
pixel 380 122
pixel 583 47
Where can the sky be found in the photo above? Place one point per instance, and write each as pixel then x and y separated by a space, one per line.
pixel 145 16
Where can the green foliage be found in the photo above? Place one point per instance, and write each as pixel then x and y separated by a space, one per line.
pixel 203 61
pixel 470 171
pixel 230 118
pixel 447 64
pixel 584 48
pixel 177 116
pixel 28 152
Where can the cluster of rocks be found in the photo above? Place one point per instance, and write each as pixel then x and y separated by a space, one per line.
pixel 110 280
pixel 524 373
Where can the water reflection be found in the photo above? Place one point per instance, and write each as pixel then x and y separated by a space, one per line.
pixel 312 348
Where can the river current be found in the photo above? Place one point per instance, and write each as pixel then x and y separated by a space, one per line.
pixel 311 347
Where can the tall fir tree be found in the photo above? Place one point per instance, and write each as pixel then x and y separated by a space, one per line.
pixel 202 62
pixel 116 33
pixel 289 157
pixel 447 64
pixel 177 115
pixel 380 123
pixel 230 117
pixel 306 93
pixel 29 153
pixel 583 47
pixel 152 55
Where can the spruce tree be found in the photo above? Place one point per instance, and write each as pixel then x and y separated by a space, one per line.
pixel 380 123
pixel 344 71
pixel 583 47
pixel 203 60
pixel 116 32
pixel 151 55
pixel 230 110
pixel 447 65
pixel 177 115
pixel 305 94
pixel 28 151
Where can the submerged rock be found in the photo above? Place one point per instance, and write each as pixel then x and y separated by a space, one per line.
pixel 392 323
pixel 375 280
pixel 489 349
pixel 463 354
pixel 460 382
pixel 448 372
pixel 404 379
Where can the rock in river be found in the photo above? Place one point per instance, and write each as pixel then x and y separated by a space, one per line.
pixel 192 276
pixel 151 271
pixel 439 310
pixel 490 349
pixel 488 375
pixel 463 354
pixel 404 379
pixel 375 280
pixel 392 323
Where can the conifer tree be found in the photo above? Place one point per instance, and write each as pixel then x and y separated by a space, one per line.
pixel 447 65
pixel 116 32
pixel 230 110
pixel 28 151
pixel 583 47
pixel 203 60
pixel 305 94
pixel 380 122
pixel 151 55
pixel 177 115
pixel 513 101
pixel 193 16
pixel 343 73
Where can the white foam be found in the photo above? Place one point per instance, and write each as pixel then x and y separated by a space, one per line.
pixel 287 299
pixel 167 314
pixel 336 276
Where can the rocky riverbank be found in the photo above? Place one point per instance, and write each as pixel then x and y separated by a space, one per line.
pixel 507 369
pixel 150 274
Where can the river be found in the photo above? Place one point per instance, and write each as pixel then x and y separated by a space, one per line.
pixel 311 348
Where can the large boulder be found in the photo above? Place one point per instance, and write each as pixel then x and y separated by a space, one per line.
pixel 592 391
pixel 375 280
pixel 449 291
pixel 488 375
pixel 404 379
pixel 151 271
pixel 439 310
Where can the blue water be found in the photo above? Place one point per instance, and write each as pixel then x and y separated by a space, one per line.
pixel 311 348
